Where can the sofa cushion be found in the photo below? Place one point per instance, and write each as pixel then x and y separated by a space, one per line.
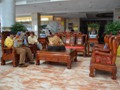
pixel 55 41
pixel 72 40
pixel 56 48
pixel 103 59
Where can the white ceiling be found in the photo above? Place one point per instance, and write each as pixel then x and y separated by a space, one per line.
pixel 67 8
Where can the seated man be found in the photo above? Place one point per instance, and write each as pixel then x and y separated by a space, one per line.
pixel 32 39
pixel 16 42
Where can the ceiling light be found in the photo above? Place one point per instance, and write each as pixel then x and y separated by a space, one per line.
pixel 57 0
pixel 44 19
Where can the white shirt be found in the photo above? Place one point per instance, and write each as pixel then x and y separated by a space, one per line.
pixel 32 40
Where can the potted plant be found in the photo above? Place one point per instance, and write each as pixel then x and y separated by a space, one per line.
pixel 93 29
pixel 18 27
pixel 93 26
pixel 112 27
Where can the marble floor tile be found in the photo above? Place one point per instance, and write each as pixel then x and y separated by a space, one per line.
pixel 56 76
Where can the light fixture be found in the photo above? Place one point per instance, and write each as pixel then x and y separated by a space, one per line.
pixel 44 19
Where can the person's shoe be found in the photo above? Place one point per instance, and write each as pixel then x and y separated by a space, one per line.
pixel 31 62
pixel 23 65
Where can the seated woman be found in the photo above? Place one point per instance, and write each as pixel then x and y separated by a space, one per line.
pixel 32 39
pixel 55 44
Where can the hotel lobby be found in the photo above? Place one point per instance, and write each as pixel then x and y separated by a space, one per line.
pixel 91 59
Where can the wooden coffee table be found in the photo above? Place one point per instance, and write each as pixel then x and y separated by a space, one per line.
pixel 63 56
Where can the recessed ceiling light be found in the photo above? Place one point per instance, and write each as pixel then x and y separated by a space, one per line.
pixel 58 0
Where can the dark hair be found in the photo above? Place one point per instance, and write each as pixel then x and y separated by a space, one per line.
pixel 32 33
pixel 12 33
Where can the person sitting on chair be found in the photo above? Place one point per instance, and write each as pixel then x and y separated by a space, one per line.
pixel 16 42
pixel 32 39
pixel 55 44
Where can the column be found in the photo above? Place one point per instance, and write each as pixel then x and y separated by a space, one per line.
pixel 36 23
pixel 8 14
pixel 65 24
pixel 117 14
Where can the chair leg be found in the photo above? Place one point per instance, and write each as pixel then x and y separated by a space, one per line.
pixel 114 73
pixel 84 54
pixel 14 63
pixel 2 61
pixel 91 71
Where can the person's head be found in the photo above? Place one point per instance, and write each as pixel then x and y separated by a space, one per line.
pixel 32 34
pixel 18 34
pixel 72 30
pixel 50 32
pixel 12 34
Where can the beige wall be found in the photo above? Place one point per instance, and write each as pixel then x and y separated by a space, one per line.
pixel 75 21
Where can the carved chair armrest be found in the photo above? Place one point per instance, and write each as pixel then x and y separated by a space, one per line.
pixel 6 48
pixel 11 49
pixel 99 45
pixel 102 50
pixel 103 54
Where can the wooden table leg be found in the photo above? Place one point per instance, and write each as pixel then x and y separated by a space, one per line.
pixel 75 59
pixel 69 64
pixel 75 56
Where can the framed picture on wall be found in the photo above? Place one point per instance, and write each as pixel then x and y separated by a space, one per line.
pixel 70 26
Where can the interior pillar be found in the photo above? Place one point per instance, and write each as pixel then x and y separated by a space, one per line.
pixel 8 14
pixel 117 14
pixel 36 23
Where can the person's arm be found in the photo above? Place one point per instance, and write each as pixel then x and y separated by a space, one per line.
pixel 29 40
pixel 15 43
pixel 35 39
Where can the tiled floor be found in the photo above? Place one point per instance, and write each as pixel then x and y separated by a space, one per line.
pixel 52 76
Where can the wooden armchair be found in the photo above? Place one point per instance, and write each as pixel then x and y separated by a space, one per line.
pixel 105 61
pixel 8 53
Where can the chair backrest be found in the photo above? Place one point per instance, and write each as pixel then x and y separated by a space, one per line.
pixel 81 39
pixel 110 39
pixel 70 39
pixel 115 44
pixel 106 39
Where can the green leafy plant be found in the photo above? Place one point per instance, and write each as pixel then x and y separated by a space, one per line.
pixel 18 27
pixel 112 27
pixel 94 26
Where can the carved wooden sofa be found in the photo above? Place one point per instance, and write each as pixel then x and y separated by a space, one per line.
pixel 75 41
pixel 9 53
